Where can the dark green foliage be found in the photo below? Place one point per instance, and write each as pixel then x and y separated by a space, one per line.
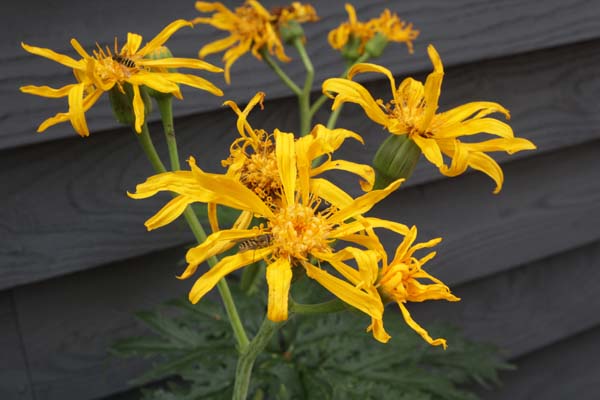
pixel 311 357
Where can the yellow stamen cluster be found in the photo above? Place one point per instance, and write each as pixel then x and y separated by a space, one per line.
pixel 260 173
pixel 298 231
pixel 297 12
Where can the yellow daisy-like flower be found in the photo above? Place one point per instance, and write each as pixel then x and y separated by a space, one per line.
pixel 293 233
pixel 104 69
pixel 297 12
pixel 400 281
pixel 412 112
pixel 403 280
pixel 251 27
pixel 388 24
pixel 252 156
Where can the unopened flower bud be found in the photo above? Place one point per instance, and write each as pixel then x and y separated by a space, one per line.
pixel 396 158
pixel 290 31
pixel 121 101
pixel 351 50
pixel 159 54
pixel 376 45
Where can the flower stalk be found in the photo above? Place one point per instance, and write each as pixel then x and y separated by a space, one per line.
pixel 304 96
pixel 248 357
pixel 164 105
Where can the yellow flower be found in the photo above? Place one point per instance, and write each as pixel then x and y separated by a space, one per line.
pixel 403 280
pixel 297 12
pixel 412 112
pixel 252 158
pixel 105 69
pixel 251 28
pixel 313 213
pixel 389 25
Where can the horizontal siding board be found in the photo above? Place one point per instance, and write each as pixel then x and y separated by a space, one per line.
pixel 65 207
pixel 528 308
pixel 14 381
pixel 83 315
pixel 566 370
pixel 522 311
pixel 488 29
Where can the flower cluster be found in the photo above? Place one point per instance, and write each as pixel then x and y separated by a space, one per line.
pixel 252 28
pixel 290 215
pixel 353 36
pixel 106 69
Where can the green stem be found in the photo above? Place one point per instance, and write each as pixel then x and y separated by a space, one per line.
pixel 333 117
pixel 189 215
pixel 248 356
pixel 330 306
pixel 304 97
pixel 282 75
pixel 148 147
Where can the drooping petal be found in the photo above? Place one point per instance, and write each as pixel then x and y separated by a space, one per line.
pixel 486 164
pixel 352 92
pixel 138 108
pixel 430 149
pixel 474 126
pixel 226 266
pixel 367 67
pixel 417 328
pixel 379 332
pixel 76 111
pixel 346 292
pixel 279 279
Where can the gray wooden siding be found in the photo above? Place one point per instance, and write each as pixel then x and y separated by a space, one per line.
pixel 75 259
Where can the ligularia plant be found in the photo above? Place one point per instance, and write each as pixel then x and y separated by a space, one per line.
pixel 302 247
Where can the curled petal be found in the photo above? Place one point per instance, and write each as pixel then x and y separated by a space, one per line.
pixel 279 279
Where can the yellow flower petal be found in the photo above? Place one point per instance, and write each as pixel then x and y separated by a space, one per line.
pixel 430 149
pixel 364 171
pixel 417 328
pixel 134 41
pixel 181 63
pixel 486 164
pixel 481 108
pixel 379 332
pixel 76 112
pixel 163 36
pixel 190 80
pixel 352 92
pixel 47 91
pixel 138 109
pixel 368 67
pixel 213 245
pixel 286 163
pixel 170 211
pixel 154 80
pixel 364 203
pixel 243 127
pixel 79 48
pixel 433 86
pixel 47 53
pixel 475 126
pixel 501 144
pixel 217 46
pixel 330 193
pixel 279 279
pixel 359 225
pixel 226 266
pixel 349 294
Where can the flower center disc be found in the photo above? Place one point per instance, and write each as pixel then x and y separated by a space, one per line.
pixel 297 231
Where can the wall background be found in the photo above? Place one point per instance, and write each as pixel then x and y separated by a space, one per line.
pixel 76 260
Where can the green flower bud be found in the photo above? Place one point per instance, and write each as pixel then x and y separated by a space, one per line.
pixel 376 45
pixel 396 158
pixel 351 50
pixel 291 31
pixel 158 54
pixel 122 103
